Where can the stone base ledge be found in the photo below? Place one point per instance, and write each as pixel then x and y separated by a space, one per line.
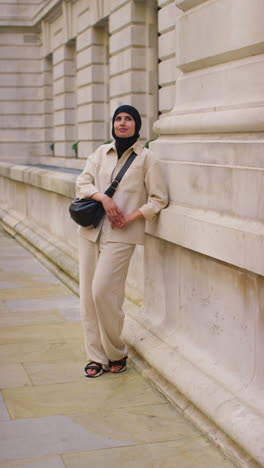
pixel 231 424
pixel 57 256
pixel 58 182
pixel 72 163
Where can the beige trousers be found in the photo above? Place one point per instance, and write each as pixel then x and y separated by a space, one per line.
pixel 103 271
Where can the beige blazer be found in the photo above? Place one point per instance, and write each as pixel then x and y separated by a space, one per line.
pixel 143 188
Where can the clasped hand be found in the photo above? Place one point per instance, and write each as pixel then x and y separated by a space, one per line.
pixel 114 214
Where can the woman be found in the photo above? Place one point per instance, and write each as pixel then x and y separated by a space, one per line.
pixel 105 251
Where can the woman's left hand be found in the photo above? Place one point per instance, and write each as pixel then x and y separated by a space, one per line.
pixel 127 219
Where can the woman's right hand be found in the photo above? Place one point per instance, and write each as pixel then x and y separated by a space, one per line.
pixel 113 213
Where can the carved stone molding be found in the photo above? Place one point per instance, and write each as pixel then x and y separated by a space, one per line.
pixel 100 9
pixel 185 5
pixel 227 121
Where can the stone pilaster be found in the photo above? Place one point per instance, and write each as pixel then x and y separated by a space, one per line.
pixel 47 106
pixel 20 94
pixel 167 15
pixel 92 86
pixel 133 59
pixel 64 100
pixel 206 252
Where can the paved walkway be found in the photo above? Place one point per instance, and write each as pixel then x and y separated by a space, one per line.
pixel 51 416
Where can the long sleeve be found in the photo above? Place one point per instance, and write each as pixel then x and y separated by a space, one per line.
pixel 157 192
pixel 85 186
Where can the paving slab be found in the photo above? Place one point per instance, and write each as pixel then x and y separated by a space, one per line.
pixel 13 375
pixel 29 265
pixel 52 372
pixel 51 416
pixel 67 306
pixel 49 435
pixel 36 462
pixel 30 317
pixel 138 424
pixel 31 333
pixel 80 396
pixel 4 415
pixel 35 351
pixel 37 278
pixel 22 293
pixel 194 453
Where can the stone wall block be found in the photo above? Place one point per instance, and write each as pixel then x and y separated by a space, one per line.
pixel 48 124
pixel 91 93
pixel 64 133
pixel 20 121
pixel 15 52
pixel 64 148
pixel 167 17
pixel 167 71
pixel 220 188
pixel 91 55
pixel 130 82
pixel 85 148
pixel 64 101
pixel 166 98
pixel 20 79
pixel 133 35
pixel 62 53
pixel 132 59
pixel 47 80
pixel 65 68
pixel 91 112
pixel 185 5
pixel 232 151
pixel 201 296
pixel 47 94
pixel 115 4
pixel 19 134
pixel 91 74
pixel 62 85
pixel 167 44
pixel 222 86
pixel 31 108
pixel 90 36
pixel 201 39
pixel 63 117
pixel 91 131
pixel 12 38
pixel 24 150
pixel 20 66
pixel 20 94
pixel 137 100
pixel 129 13
pixel 83 18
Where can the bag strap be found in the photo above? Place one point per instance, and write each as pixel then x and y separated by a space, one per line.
pixel 114 185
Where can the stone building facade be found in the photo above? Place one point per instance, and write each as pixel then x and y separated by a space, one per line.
pixel 65 65
pixel 194 69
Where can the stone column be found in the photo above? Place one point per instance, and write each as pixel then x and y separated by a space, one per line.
pixel 91 45
pixel 133 59
pixel 20 94
pixel 47 106
pixel 167 14
pixel 204 262
pixel 64 100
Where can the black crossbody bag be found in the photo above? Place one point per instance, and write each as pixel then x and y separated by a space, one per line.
pixel 89 212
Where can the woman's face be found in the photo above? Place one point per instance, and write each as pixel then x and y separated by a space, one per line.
pixel 124 125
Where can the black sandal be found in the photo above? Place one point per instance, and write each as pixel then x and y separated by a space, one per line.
pixel 121 362
pixel 97 366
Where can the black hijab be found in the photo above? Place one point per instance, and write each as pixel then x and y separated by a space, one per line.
pixel 122 144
